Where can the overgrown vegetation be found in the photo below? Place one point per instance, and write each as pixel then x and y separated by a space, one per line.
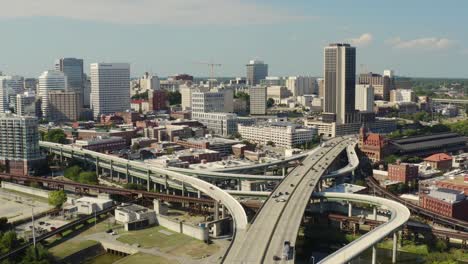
pixel 54 135
pixel 76 173
pixel 57 198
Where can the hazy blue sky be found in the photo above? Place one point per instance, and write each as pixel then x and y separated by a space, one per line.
pixel 415 38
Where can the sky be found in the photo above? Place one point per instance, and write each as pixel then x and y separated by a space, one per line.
pixel 418 38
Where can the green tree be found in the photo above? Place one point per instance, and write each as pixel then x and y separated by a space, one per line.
pixel 8 241
pixel 88 177
pixel 143 95
pixel 4 225
pixel 56 136
pixel 174 98
pixel 72 172
pixel 38 255
pixel 270 102
pixel 57 198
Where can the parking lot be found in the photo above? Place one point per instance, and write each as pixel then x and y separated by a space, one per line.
pixel 15 206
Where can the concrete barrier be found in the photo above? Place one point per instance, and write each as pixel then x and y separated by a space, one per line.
pixel 198 232
pixel 120 248
pixel 25 189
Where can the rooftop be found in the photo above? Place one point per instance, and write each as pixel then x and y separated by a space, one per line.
pixel 438 157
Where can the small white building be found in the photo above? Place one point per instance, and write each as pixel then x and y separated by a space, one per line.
pixel 128 213
pixel 89 205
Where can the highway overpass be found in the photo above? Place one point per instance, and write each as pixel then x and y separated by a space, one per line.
pixel 276 217
pixel 152 175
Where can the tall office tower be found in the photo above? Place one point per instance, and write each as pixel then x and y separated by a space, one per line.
pixel 10 86
pixel 186 97
pixel 340 81
pixel 228 95
pixel 110 88
pixel 256 71
pixel 30 84
pixel 86 91
pixel 321 87
pixel 50 81
pixel 382 84
pixel 149 82
pixel 64 106
pixel 258 98
pixel 300 85
pixel 364 97
pixel 27 104
pixel 19 144
pixel 388 73
pixel 73 69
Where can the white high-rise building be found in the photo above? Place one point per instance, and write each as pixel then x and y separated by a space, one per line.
pixel 402 96
pixel 110 88
pixel 300 85
pixel 50 81
pixel 207 102
pixel 364 97
pixel 26 104
pixel 388 73
pixel 9 86
pixel 149 82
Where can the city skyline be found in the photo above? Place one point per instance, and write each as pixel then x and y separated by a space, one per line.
pixel 174 36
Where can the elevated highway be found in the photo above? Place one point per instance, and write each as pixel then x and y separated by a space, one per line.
pixel 260 242
pixel 152 175
pixel 399 216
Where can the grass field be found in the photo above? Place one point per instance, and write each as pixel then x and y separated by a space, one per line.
pixel 141 258
pixel 67 248
pixel 175 243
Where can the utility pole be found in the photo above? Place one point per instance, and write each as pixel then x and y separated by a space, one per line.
pixel 33 227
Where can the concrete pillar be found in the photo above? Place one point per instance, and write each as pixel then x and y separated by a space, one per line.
pixel 283 171
pixel 112 169
pixel 148 180
pixel 374 212
pixel 128 174
pixel 394 250
pixel 216 210
pixel 97 166
pixel 239 185
pixel 374 254
pixel 223 211
pixel 350 209
pixel 198 194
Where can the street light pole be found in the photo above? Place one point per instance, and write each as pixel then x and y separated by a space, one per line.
pixel 33 227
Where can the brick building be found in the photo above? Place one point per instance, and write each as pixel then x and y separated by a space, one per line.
pixel 157 100
pixel 402 172
pixel 373 145
pixel 446 202
pixel 439 161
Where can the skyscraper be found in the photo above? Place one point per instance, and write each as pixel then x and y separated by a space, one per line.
pixel 382 84
pixel 50 81
pixel 73 69
pixel 364 97
pixel 110 88
pixel 256 71
pixel 19 144
pixel 340 81
pixel 10 86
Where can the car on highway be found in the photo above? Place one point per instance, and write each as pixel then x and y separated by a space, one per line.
pixel 286 193
pixel 282 200
pixel 286 250
pixel 292 185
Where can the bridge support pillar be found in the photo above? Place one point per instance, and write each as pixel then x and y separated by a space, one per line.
pixel 283 171
pixel 394 249
pixel 374 213
pixel 198 194
pixel 374 254
pixel 111 170
pixel 148 180
pixel 239 185
pixel 321 205
pixel 350 209
pixel 216 210
pixel 223 211
pixel 97 166
pixel 128 174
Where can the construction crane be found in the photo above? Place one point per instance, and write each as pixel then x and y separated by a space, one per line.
pixel 211 65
